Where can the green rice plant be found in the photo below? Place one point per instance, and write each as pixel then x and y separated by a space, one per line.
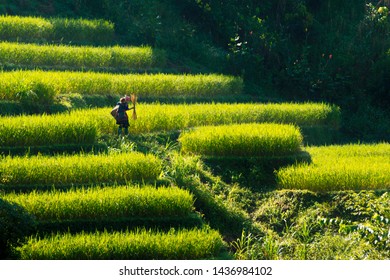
pixel 65 170
pixel 14 85
pixel 165 117
pixel 15 28
pixel 53 149
pixel 242 140
pixel 82 31
pixel 71 57
pixel 334 168
pixel 139 244
pixel 157 117
pixel 348 151
pixel 47 130
pixel 37 29
pixel 108 202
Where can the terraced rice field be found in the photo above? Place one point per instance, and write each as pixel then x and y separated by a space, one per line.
pixel 335 168
pixel 64 57
pixel 65 170
pixel 123 186
pixel 46 85
pixel 242 140
pixel 141 245
pixel 33 29
pixel 108 202
pixel 84 126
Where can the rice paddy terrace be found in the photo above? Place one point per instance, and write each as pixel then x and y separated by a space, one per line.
pixel 190 178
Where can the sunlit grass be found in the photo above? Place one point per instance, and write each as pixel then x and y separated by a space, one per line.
pixel 349 167
pixel 38 29
pixel 140 244
pixel 71 57
pixel 47 130
pixel 243 140
pixel 78 169
pixel 108 202
pixel 84 125
pixel 165 117
pixel 19 84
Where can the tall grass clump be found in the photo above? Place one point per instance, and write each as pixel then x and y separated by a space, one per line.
pixel 65 170
pixel 79 58
pixel 15 224
pixel 108 202
pixel 15 84
pixel 140 244
pixel 334 168
pixel 40 130
pixel 38 29
pixel 243 140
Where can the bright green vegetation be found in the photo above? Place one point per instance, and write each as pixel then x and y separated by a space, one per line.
pixel 140 244
pixel 301 224
pixel 281 54
pixel 17 85
pixel 81 58
pixel 242 140
pixel 65 170
pixel 41 130
pixel 84 126
pixel 165 117
pixel 349 167
pixel 322 153
pixel 108 202
pixel 38 29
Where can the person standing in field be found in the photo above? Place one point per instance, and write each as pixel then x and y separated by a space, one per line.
pixel 122 119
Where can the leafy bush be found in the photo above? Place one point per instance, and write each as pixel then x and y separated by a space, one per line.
pixel 301 224
pixel 15 223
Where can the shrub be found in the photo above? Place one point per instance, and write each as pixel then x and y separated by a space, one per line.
pixel 15 223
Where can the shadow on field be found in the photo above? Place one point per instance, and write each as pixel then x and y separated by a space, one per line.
pixel 255 173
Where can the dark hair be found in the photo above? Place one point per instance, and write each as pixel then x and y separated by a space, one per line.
pixel 122 100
